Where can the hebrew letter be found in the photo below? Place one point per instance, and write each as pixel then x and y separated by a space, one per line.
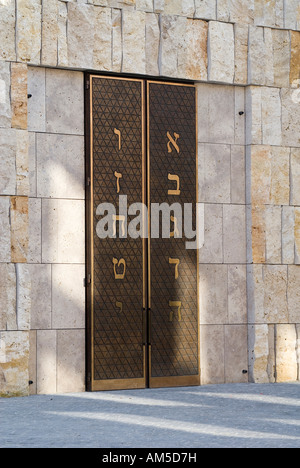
pixel 176 262
pixel 176 179
pixel 173 142
pixel 118 218
pixel 117 132
pixel 119 276
pixel 119 305
pixel 175 233
pixel 119 176
pixel 178 305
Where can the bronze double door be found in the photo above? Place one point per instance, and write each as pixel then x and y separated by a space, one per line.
pixel 142 291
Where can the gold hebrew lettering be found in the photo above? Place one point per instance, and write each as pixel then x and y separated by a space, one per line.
pixel 175 233
pixel 176 262
pixel 178 305
pixel 118 218
pixel 118 133
pixel 177 180
pixel 119 305
pixel 173 142
pixel 116 262
pixel 119 176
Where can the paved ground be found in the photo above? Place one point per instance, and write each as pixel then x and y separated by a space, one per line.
pixel 239 415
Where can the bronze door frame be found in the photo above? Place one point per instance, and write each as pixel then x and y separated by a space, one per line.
pixel 146 380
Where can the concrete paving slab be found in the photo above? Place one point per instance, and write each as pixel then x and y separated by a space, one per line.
pixel 234 415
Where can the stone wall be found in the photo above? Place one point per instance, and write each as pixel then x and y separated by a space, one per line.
pixel 248 53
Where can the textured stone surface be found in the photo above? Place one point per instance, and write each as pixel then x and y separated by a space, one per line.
pixel 286 357
pixel 7 30
pixel 5 108
pixel 49 32
pixel 19 95
pixel 70 361
pixel 5 234
pixel 221 47
pixel 29 19
pixel 8 297
pixel 134 47
pixel 8 177
pixel 14 359
pixel 19 230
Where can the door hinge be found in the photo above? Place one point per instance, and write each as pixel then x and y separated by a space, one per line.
pixel 88 182
pixel 87 281
pixel 87 84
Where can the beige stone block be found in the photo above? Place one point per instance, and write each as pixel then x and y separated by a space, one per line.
pixel 297 235
pixel 34 230
pixel 152 44
pixel 60 166
pixel 8 30
pixel 212 354
pixel 32 164
pixel 294 293
pixel 173 30
pixel 5 108
pixel 292 14
pixel 29 18
pixel 70 361
pixel 273 234
pixel 268 13
pixel 238 175
pixel 212 251
pixel 260 64
pixel 214 173
pixel 117 45
pixel 236 353
pixel 134 42
pixel 237 294
pixel 22 163
pixel 8 297
pixel 37 103
pixel 237 11
pixel 46 361
pixel 5 231
pixel 221 52
pixel 32 362
pixel 102 39
pixel 290 118
pixel 255 294
pixel 159 6
pixel 281 54
pixel 49 32
pixel 280 177
pixel 253 115
pixel 258 233
pixel 275 296
pixel 63 227
pixel 271 117
pixel 23 296
pixel 68 296
pixel 80 35
pixel 261 353
pixel 241 35
pixel 62 43
pixel 14 360
pixel 206 9
pixel 288 235
pixel 213 294
pixel 19 229
pixel 8 177
pixel 234 233
pixel 295 176
pixel 40 296
pixel 64 102
pixel 194 61
pixel 286 355
pixel 144 5
pixel 19 95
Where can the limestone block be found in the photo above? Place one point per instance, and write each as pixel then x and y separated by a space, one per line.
pixel 46 361
pixel 37 103
pixel 288 235
pixel 297 236
pixel 260 65
pixel 134 42
pixel 19 229
pixel 5 109
pixel 212 251
pixel 34 230
pixel 253 116
pixel 8 30
pixel 144 5
pixel 261 355
pixel 19 95
pixel 213 294
pixel 236 353
pixel 286 355
pixel 216 114
pixel 8 177
pixel 292 14
pixel 49 32
pixel 206 9
pixel 193 64
pixel 269 13
pixel 102 39
pixel 8 296
pixel 80 35
pixel 5 234
pixel 70 361
pixel 281 57
pixel 29 18
pixel 23 296
pixel 234 233
pixel 237 294
pixel 280 176
pixel 22 163
pixel 212 354
pixel 275 297
pixel 258 233
pixel 236 11
pixel 240 115
pixel 295 176
pixel 32 362
pixel 62 45
pixel 241 35
pixel 271 116
pixel 290 118
pixel 32 164
pixel 14 359
pixel 117 46
pixel 68 296
pixel 273 234
pixel 238 174
pixel 214 173
pixel 294 293
pixel 60 166
pixel 221 52
pixel 63 227
pixel 64 102
pixel 40 296
pixel 152 44
pixel 173 44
